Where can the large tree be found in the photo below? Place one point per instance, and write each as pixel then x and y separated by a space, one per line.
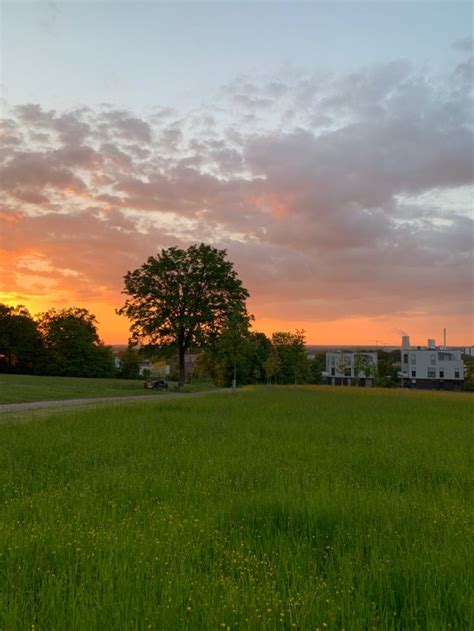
pixel 182 299
pixel 73 344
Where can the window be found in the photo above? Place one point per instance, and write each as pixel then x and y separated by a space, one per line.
pixel 441 374
pixel 333 372
pixel 413 359
pixel 413 373
pixel 456 374
pixel 405 358
pixel 433 359
pixel 431 373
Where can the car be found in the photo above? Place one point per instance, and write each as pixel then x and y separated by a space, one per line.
pixel 155 384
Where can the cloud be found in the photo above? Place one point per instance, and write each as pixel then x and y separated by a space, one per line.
pixel 337 196
pixel 123 125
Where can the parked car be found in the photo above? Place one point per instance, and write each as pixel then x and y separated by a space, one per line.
pixel 155 384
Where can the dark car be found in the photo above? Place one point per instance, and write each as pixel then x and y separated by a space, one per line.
pixel 155 384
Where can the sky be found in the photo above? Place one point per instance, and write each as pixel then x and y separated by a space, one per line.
pixel 328 147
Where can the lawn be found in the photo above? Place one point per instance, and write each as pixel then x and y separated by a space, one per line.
pixel 281 508
pixel 24 388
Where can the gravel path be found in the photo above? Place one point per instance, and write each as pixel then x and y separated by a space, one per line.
pixel 66 403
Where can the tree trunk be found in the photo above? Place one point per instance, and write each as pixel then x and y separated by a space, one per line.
pixel 182 373
pixel 234 379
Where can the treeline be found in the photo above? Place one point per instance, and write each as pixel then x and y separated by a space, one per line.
pixel 251 357
pixel 62 342
pixel 65 342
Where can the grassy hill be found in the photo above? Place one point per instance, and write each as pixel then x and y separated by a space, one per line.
pixel 24 388
pixel 286 508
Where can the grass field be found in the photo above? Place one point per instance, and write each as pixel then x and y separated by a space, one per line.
pixel 26 388
pixel 305 508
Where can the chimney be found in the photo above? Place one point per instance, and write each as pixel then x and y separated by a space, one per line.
pixel 444 338
pixel 405 341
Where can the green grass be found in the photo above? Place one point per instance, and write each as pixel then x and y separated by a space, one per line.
pixel 281 509
pixel 26 388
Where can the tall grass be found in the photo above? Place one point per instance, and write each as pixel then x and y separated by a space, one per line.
pixel 24 388
pixel 282 509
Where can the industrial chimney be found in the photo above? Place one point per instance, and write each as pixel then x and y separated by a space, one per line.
pixel 405 341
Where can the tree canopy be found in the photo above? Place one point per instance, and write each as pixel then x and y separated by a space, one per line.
pixel 293 363
pixel 21 345
pixel 73 345
pixel 183 299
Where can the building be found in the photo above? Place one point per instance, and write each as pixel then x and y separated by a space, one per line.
pixel 350 368
pixel 436 368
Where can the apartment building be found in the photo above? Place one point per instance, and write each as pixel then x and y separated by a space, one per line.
pixel 432 367
pixel 346 368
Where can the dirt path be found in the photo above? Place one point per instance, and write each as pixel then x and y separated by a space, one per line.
pixel 12 408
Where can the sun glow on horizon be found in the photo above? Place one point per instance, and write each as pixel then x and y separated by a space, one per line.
pixel 357 331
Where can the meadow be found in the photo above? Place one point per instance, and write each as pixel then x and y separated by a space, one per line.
pixel 26 388
pixel 281 508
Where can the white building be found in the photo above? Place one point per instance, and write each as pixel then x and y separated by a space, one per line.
pixel 350 368
pixel 431 367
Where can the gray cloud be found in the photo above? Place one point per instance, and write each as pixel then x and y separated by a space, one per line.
pixel 314 200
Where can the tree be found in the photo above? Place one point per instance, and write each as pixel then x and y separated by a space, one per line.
pixel 316 368
pixel 363 365
pixel 272 364
pixel 237 352
pixel 468 373
pixel 259 348
pixel 360 366
pixel 343 366
pixel 129 363
pixel 294 365
pixel 21 346
pixel 388 365
pixel 73 344
pixel 182 298
pixel 233 342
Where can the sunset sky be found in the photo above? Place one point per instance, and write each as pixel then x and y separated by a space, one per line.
pixel 327 146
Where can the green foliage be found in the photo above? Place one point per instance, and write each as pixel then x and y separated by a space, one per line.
pixel 233 344
pixel 468 373
pixel 182 299
pixel 388 365
pixel 272 364
pixel 21 345
pixel 291 350
pixel 316 368
pixel 342 364
pixel 315 507
pixel 129 363
pixel 73 345
pixel 259 349
pixel 237 353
